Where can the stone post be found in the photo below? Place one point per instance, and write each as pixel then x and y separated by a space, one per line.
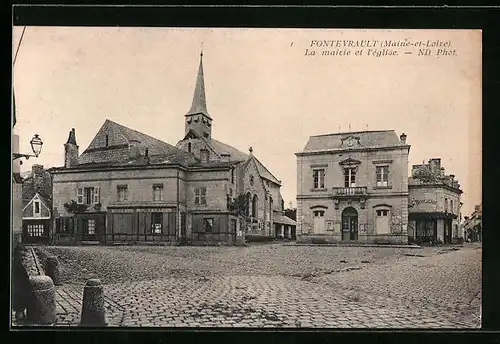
pixel 52 269
pixel 93 313
pixel 42 308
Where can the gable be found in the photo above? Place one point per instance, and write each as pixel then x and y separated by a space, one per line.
pixel 36 203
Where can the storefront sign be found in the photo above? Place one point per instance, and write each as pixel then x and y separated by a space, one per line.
pixel 414 202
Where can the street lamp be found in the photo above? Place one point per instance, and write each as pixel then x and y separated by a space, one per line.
pixel 36 146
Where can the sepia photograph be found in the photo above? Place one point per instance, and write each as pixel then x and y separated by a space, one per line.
pixel 252 178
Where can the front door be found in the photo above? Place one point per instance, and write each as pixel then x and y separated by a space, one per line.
pixel 350 224
pixel 318 222
pixel 447 232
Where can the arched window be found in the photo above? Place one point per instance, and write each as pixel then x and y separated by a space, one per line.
pixel 446 205
pixel 247 204
pixel 189 147
pixel 254 206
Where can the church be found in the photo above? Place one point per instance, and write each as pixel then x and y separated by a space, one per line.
pixel 128 187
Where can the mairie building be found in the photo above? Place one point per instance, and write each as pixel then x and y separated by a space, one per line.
pixel 355 187
pixel 128 187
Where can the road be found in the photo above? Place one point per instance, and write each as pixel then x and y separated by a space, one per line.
pixel 274 285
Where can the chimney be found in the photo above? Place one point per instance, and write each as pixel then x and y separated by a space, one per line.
pixel 225 157
pixel 441 171
pixel 71 150
pixel 134 149
pixel 403 138
pixel 435 165
pixel 37 175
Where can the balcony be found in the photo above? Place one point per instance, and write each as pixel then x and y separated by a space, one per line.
pixel 357 191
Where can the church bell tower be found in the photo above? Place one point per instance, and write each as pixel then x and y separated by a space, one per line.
pixel 197 118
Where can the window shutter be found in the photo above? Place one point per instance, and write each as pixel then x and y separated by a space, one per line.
pixel 79 195
pixel 96 195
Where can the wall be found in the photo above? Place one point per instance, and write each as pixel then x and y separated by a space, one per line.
pixel 17 194
pixel 139 182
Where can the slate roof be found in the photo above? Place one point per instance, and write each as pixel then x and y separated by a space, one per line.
pixel 378 138
pixel 158 150
pixel 278 218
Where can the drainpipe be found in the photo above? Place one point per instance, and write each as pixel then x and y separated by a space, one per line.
pixel 178 220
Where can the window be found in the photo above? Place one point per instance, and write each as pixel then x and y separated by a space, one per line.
pixel 319 178
pixel 36 230
pixel 36 208
pixel 254 206
pixel 451 206
pixel 122 192
pixel 156 223
pixel 382 212
pixel 382 175
pixel 158 192
pixel 200 196
pixel 446 205
pixel 319 213
pixel 231 193
pixel 107 140
pixel 64 225
pixel 232 175
pixel 87 195
pixel 189 147
pixel 350 177
pixel 208 225
pixel 91 227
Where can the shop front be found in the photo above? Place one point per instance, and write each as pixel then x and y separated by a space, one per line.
pixel 431 228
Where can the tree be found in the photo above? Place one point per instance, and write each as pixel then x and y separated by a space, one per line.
pixel 238 205
pixel 74 208
pixel 291 213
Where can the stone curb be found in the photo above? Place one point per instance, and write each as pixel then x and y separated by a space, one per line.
pixel 355 245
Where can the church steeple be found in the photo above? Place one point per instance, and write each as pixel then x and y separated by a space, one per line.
pixel 199 105
pixel 198 118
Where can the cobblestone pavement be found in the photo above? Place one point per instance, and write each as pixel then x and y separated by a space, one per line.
pixel 276 286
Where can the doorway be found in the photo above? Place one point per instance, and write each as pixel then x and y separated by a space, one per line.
pixel 447 231
pixel 318 222
pixel 349 224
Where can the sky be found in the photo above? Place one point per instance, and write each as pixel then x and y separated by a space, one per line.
pixel 262 90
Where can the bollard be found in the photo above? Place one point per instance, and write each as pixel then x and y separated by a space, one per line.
pixel 93 313
pixel 42 308
pixel 52 269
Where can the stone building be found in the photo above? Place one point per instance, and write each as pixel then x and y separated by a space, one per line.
pixel 37 202
pixel 17 200
pixel 130 187
pixel 353 187
pixel 434 204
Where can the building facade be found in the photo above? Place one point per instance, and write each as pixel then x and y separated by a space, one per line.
pixel 353 187
pixel 130 187
pixel 433 205
pixel 37 204
pixel 17 184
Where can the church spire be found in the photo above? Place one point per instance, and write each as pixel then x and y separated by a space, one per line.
pixel 199 105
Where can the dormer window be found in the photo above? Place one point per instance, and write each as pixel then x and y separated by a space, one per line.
pixel 206 135
pixel 189 120
pixel 197 119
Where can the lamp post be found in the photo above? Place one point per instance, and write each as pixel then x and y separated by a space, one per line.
pixel 36 146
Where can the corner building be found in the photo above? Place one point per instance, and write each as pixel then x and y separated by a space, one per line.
pixel 130 187
pixel 353 187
